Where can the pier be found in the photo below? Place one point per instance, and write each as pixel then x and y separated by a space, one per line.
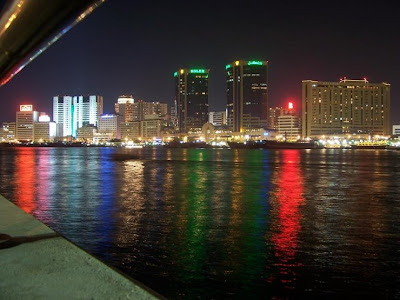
pixel 38 263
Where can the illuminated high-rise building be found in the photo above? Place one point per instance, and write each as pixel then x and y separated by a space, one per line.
pixel 247 89
pixel 62 115
pixel 348 106
pixel 87 110
pixel 131 110
pixel 143 108
pixel 191 96
pixel 124 107
pixel 25 118
pixel 71 113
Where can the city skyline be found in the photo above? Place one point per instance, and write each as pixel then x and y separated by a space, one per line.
pixel 137 49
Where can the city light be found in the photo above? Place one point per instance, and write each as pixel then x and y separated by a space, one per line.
pixel 227 67
pixel 290 105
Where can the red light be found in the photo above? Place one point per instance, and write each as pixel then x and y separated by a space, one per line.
pixel 290 105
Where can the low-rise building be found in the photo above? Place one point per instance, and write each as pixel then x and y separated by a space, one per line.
pixel 7 131
pixel 86 133
pixel 150 127
pixel 289 127
pixel 110 123
pixel 217 118
pixel 130 131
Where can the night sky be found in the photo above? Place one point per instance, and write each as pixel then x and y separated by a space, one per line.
pixel 134 47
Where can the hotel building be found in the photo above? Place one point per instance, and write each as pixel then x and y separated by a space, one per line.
pixel 345 107
pixel 247 101
pixel 191 96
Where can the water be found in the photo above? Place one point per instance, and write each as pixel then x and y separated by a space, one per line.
pixel 217 223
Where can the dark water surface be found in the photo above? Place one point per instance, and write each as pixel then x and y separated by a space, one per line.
pixel 194 223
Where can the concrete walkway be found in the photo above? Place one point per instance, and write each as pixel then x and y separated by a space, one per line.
pixel 36 263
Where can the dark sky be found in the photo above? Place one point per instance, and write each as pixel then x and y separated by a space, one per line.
pixel 134 47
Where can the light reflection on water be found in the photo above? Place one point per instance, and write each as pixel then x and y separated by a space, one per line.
pixel 209 223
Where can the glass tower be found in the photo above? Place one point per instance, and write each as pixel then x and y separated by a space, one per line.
pixel 246 92
pixel 191 96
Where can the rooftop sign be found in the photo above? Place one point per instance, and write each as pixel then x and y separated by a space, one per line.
pixel 25 108
pixel 255 62
pixel 201 71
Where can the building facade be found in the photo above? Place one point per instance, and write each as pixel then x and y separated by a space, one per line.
pixel 191 96
pixel 395 131
pixel 150 127
pixel 110 123
pixel 86 133
pixel 348 106
pixel 25 118
pixel 8 131
pixel 273 114
pixel 247 99
pixel 217 118
pixel 289 127
pixel 130 131
pixel 44 131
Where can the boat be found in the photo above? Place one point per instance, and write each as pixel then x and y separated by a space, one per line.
pixel 264 144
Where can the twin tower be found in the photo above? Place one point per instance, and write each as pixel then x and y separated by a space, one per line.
pixel 246 96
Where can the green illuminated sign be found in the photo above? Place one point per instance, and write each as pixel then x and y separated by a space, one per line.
pixel 175 74
pixel 201 71
pixel 255 62
pixel 227 67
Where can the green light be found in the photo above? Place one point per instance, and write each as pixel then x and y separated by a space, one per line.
pixel 227 67
pixel 201 71
pixel 175 74
pixel 255 62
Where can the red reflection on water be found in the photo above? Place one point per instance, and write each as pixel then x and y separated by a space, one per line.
pixel 25 179
pixel 289 197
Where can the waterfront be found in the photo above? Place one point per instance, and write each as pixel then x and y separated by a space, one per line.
pixel 218 223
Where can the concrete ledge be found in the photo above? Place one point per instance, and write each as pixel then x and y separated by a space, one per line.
pixel 54 268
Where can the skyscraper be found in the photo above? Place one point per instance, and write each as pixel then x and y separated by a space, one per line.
pixel 62 115
pixel 191 96
pixel 71 113
pixel 348 106
pixel 247 101
pixel 87 110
